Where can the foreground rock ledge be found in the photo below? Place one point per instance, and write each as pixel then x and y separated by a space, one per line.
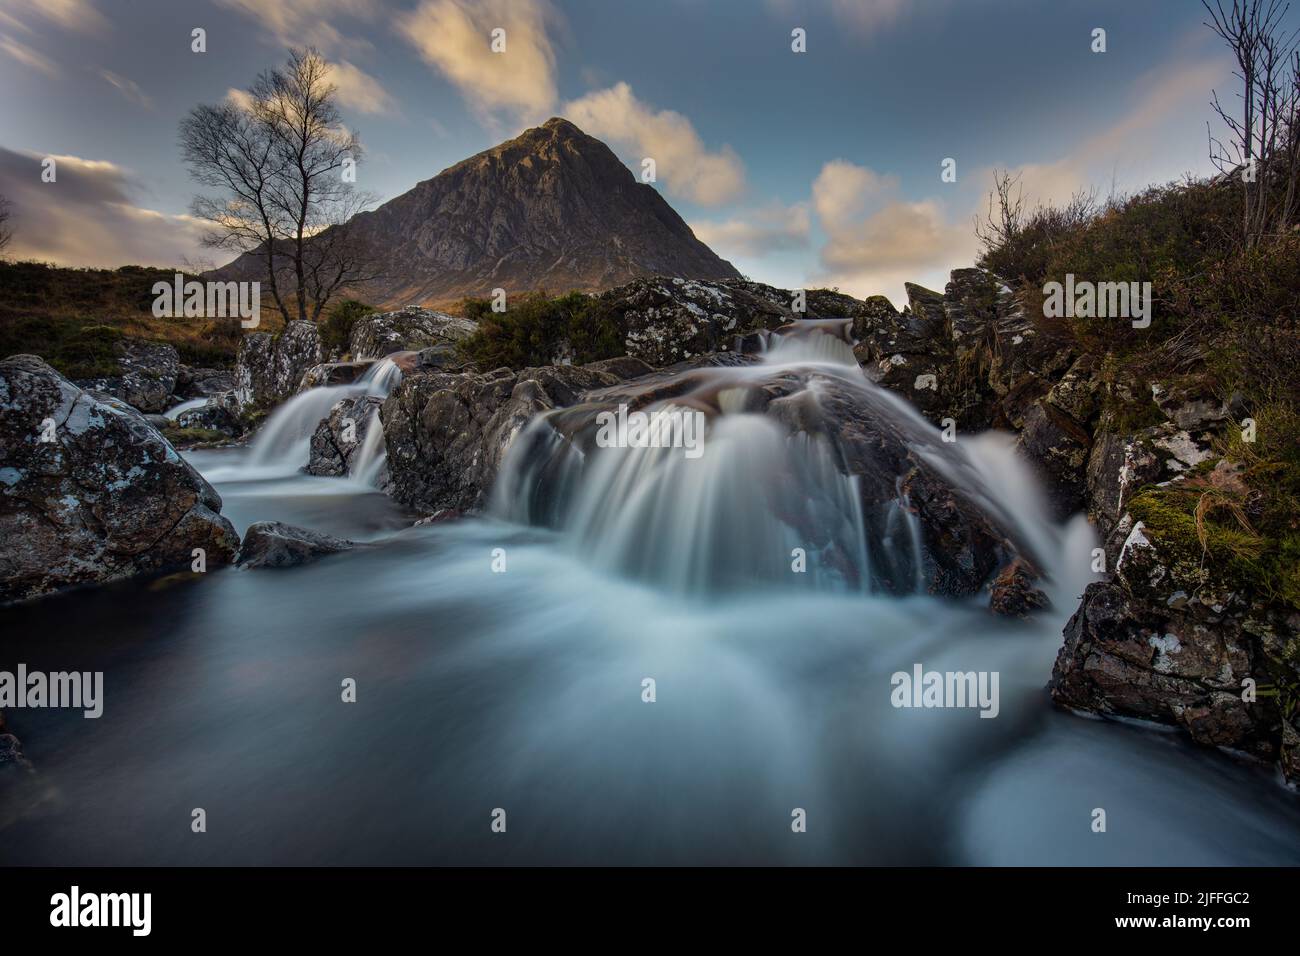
pixel 91 492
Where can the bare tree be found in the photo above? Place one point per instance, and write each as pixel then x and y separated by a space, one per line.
pixel 1261 148
pixel 6 233
pixel 280 159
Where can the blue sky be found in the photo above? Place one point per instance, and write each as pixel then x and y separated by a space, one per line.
pixel 802 168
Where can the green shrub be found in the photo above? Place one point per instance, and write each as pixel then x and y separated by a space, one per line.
pixel 537 329
pixel 336 330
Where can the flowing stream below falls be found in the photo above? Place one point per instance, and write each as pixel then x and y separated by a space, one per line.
pixel 523 690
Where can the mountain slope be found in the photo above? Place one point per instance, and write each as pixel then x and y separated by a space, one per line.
pixel 551 209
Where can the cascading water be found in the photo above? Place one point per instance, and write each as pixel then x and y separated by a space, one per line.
pixel 282 446
pixel 770 492
pixel 174 412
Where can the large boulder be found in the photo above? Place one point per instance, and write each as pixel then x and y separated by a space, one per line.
pixel 90 491
pixel 342 434
pixel 269 367
pixel 149 376
pixel 1179 636
pixel 274 544
pixel 447 433
pixel 411 329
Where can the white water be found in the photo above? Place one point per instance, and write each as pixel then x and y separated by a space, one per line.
pixel 174 413
pixel 523 690
pixel 282 445
pixel 732 518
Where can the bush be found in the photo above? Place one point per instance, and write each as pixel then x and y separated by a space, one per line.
pixel 538 329
pixel 336 330
pixel 90 352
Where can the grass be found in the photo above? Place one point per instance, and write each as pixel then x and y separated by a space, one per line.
pixel 69 316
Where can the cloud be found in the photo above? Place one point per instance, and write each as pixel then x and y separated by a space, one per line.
pixel 772 228
pixel 128 88
pixel 875 239
pixel 455 37
pixel 27 56
pixel 309 22
pixel 360 90
pixel 79 15
pixel 687 169
pixel 87 217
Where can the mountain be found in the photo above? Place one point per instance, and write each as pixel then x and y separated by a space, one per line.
pixel 551 209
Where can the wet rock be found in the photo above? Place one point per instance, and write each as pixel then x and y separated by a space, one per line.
pixel 148 379
pixel 1059 447
pixel 11 751
pixel 1014 592
pixel 269 367
pixel 1118 466
pixel 273 544
pixel 90 491
pixel 447 433
pixel 1170 639
pixel 222 413
pixel 342 434
pixel 411 329
pixel 333 373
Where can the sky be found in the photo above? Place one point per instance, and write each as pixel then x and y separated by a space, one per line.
pixel 805 169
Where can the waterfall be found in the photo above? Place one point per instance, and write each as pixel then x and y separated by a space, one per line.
pixel 283 445
pixel 175 412
pixel 367 464
pixel 773 499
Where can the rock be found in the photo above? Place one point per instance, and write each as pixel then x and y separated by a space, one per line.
pixel 1014 593
pixel 11 751
pixel 668 320
pixel 90 491
pixel 222 413
pixel 273 544
pixel 333 373
pixel 148 379
pixel 203 382
pixel 411 329
pixel 1171 639
pixel 448 433
pixel 1059 447
pixel 1190 403
pixel 269 367
pixel 341 434
pixel 1117 467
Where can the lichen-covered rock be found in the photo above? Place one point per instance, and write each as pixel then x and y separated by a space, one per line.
pixel 411 329
pixel 1177 637
pixel 90 491
pixel 149 376
pixel 221 413
pixel 342 434
pixel 447 433
pixel 273 544
pixel 269 367
pixel 664 321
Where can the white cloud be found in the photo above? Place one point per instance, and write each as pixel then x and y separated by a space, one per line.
pixel 128 88
pixel 308 22
pixel 682 162
pixel 455 37
pixel 772 228
pixel 87 217
pixel 79 15
pixel 27 56
pixel 359 90
pixel 876 240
